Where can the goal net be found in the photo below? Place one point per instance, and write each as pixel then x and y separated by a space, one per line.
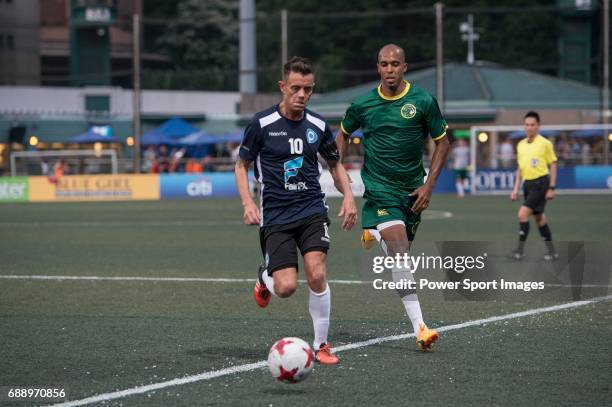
pixel 71 161
pixel 583 165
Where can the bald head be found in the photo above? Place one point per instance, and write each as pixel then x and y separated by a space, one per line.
pixel 391 67
pixel 392 51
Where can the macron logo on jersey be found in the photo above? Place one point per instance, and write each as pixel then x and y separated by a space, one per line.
pixel 277 133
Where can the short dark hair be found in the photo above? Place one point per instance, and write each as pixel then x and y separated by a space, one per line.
pixel 533 114
pixel 299 65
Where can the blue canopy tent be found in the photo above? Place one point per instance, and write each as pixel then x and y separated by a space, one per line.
pixel 168 132
pixel 198 144
pixel 195 139
pixel 153 138
pixel 96 134
pixel 204 138
pixel 545 133
pixel 233 136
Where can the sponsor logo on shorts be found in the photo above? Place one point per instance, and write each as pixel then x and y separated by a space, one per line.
pixel 326 231
pixel 382 212
pixel 408 111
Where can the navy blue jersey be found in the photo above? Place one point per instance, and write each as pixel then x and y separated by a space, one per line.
pixel 286 163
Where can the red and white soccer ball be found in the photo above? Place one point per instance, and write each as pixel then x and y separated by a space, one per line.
pixel 290 360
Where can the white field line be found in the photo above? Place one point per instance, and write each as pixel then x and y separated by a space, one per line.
pixel 113 223
pixel 161 279
pixel 261 364
pixel 217 280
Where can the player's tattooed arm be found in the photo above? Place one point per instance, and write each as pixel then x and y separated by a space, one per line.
pixel 342 141
pixel 241 162
pixel 251 212
pixel 348 210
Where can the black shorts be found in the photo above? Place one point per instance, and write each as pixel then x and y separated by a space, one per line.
pixel 279 243
pixel 535 194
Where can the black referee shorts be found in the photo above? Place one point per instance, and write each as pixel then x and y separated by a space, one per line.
pixel 535 193
pixel 279 243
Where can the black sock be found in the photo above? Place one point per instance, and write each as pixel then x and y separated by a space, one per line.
pixel 523 233
pixel 547 236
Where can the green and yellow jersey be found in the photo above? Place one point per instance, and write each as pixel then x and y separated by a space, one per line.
pixel 534 158
pixel 394 133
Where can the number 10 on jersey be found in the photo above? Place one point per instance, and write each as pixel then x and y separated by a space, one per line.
pixel 297 145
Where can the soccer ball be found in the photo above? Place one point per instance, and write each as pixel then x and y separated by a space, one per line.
pixel 290 360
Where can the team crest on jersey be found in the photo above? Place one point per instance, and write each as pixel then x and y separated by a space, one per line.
pixel 311 136
pixel 408 111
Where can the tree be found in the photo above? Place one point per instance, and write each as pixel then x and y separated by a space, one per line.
pixel 204 37
pixel 342 38
pixel 343 46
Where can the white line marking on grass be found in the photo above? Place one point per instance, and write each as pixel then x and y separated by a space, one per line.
pixel 113 223
pixel 433 214
pixel 261 364
pixel 218 280
pixel 162 385
pixel 161 279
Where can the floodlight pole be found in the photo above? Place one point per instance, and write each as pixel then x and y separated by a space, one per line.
pixel 284 38
pixel 439 9
pixel 605 106
pixel 248 54
pixel 136 96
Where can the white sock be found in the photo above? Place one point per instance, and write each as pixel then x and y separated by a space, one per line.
pixel 319 307
pixel 269 281
pixel 459 185
pixel 383 244
pixel 413 309
pixel 410 301
pixel 375 233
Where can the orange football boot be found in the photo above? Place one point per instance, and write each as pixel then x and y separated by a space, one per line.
pixel 426 337
pixel 367 240
pixel 325 356
pixel 261 294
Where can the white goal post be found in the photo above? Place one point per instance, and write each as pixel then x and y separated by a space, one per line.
pixel 490 174
pixel 98 161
